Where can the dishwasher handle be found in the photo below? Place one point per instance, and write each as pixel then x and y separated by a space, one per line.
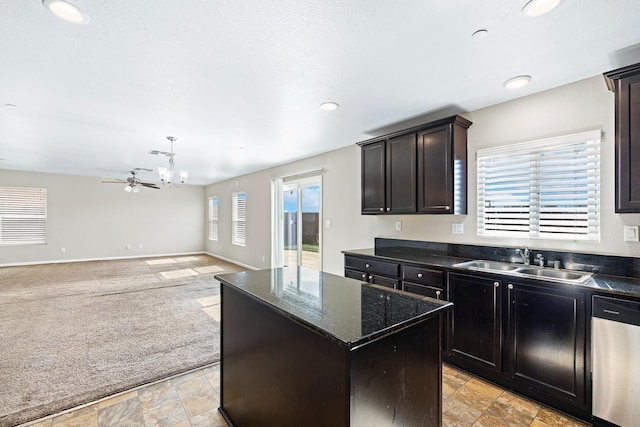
pixel 617 310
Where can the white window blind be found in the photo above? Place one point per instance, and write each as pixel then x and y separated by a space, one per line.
pixel 213 218
pixel 239 218
pixel 546 189
pixel 23 216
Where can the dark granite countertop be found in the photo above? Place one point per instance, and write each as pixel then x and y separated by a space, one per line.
pixel 408 255
pixel 624 286
pixel 345 310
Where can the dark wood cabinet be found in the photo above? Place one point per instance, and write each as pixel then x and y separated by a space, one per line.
pixel 625 83
pixel 475 334
pixel 389 176
pixel 527 336
pixel 424 281
pixel 373 178
pixel 401 175
pixel 372 271
pixel 546 337
pixel 417 170
pixel 442 169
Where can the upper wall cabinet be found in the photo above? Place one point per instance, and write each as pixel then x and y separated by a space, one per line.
pixel 388 185
pixel 625 83
pixel 419 170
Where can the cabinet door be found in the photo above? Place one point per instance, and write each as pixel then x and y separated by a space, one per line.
pixel 547 341
pixel 476 325
pixel 434 171
pixel 628 144
pixel 373 178
pixel 401 174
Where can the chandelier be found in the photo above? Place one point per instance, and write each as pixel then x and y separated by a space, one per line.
pixel 167 175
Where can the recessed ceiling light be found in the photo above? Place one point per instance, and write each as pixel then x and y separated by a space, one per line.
pixel 517 82
pixel 329 106
pixel 67 11
pixel 539 7
pixel 480 34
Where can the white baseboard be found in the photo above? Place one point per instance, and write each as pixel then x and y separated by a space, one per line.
pixel 233 261
pixel 61 261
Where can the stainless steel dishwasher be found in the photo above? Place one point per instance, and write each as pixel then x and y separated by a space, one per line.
pixel 616 361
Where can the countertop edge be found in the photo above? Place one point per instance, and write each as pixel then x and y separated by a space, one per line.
pixel 349 345
pixel 612 285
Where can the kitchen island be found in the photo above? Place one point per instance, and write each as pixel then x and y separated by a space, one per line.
pixel 305 348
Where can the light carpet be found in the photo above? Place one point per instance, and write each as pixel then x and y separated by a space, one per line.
pixel 76 332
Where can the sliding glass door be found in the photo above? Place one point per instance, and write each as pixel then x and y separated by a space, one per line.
pixel 299 214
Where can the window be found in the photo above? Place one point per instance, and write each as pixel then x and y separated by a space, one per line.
pixel 239 219
pixel 542 189
pixel 213 218
pixel 23 216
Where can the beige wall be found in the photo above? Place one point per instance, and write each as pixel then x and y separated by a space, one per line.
pixel 581 106
pixel 92 220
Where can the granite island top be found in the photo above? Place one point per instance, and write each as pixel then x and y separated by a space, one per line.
pixel 344 310
pixel 624 286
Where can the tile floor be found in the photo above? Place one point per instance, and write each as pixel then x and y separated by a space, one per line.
pixel 192 400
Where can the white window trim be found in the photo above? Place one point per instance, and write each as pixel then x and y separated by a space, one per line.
pixel 239 219
pixel 23 216
pixel 527 212
pixel 213 218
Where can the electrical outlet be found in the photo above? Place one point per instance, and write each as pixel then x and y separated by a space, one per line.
pixel 631 233
pixel 63 250
pixel 140 246
pixel 457 228
pixel 398 225
pixel 327 223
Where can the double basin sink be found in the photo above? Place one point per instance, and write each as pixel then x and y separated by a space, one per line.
pixel 528 271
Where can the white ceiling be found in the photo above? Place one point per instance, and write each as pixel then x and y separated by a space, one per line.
pixel 239 83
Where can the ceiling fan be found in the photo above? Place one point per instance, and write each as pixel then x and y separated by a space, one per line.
pixel 133 182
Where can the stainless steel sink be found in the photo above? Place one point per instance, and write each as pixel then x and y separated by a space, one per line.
pixel 487 265
pixel 520 270
pixel 545 273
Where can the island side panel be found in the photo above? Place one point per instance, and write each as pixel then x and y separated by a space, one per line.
pixel 276 372
pixel 397 380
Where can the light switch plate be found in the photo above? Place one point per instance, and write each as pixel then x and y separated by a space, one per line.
pixel 631 233
pixel 398 225
pixel 457 228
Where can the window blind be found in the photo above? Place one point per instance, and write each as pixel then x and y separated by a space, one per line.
pixel 542 189
pixel 213 218
pixel 239 218
pixel 23 216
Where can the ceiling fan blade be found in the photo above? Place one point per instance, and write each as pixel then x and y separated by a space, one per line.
pixel 114 181
pixel 149 185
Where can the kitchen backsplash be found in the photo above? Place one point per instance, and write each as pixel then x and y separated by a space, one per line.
pixel 605 264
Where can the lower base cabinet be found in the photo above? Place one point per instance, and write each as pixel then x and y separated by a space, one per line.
pixel 547 349
pixel 527 337
pixel 475 330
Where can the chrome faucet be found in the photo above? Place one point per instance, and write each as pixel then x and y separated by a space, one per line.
pixel 524 254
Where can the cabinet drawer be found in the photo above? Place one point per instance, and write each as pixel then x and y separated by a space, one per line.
pixel 369 266
pixel 423 276
pixel 384 281
pixel 428 291
pixel 358 275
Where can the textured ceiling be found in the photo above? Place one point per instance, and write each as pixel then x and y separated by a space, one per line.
pixel 239 83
